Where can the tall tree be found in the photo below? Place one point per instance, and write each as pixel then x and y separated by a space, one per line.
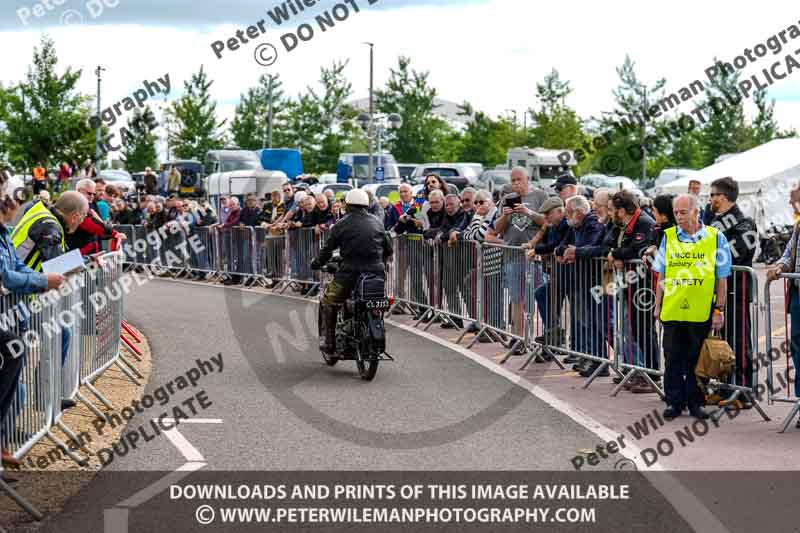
pixel 194 118
pixel 250 124
pixel 409 94
pixel 628 126
pixel 556 125
pixel 47 119
pixel 485 140
pixel 319 122
pixel 725 130
pixel 764 127
pixel 139 147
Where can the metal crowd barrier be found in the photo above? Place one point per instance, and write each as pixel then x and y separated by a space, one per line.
pixel 791 282
pixel 47 376
pixel 503 270
pixel 270 255
pixel 637 346
pixel 302 246
pixel 414 273
pixel 740 329
pixel 201 251
pixel 31 413
pixel 457 296
pixel 583 308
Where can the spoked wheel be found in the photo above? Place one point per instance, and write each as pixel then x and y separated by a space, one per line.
pixel 367 368
pixel 330 360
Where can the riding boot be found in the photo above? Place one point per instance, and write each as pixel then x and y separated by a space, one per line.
pixel 327 339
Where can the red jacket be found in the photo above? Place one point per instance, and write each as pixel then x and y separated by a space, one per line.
pixel 86 238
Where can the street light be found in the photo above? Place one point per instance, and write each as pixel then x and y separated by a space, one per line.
pixel 97 152
pixel 378 125
pixel 371 101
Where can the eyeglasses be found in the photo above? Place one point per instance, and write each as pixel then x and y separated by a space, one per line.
pixel 480 202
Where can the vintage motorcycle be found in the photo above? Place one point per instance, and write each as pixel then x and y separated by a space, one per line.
pixel 360 331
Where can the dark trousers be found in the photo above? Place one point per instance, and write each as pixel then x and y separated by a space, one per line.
pixel 682 344
pixel 9 378
pixel 643 333
pixel 738 334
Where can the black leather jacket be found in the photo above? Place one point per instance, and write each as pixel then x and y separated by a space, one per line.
pixel 46 233
pixel 362 242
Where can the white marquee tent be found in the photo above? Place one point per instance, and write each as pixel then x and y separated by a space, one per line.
pixel 765 175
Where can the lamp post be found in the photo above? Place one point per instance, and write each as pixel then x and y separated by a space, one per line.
pixel 371 105
pixel 375 128
pixel 25 120
pixel 97 152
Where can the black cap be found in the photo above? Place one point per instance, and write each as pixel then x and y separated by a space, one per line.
pixel 564 180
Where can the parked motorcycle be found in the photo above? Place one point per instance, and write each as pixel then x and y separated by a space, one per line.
pixel 773 243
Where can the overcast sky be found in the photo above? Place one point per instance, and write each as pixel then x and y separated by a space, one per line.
pixel 488 52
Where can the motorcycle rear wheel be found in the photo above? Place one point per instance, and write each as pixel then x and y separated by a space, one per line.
pixel 367 365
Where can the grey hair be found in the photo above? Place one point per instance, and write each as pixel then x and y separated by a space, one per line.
pixel 579 203
pixel 71 202
pixel 405 186
pixel 483 194
pixel 602 190
pixel 453 197
pixel 521 169
pixel 468 190
pixel 436 193
pixel 84 183
pixel 694 201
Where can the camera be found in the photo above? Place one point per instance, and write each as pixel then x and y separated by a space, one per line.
pixel 512 201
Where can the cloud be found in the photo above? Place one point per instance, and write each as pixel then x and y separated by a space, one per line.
pixel 490 53
pixel 177 13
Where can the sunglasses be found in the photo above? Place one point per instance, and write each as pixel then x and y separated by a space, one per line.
pixel 713 194
pixel 480 202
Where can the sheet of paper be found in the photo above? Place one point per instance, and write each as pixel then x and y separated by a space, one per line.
pixel 64 264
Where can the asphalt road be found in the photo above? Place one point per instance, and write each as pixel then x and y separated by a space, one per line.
pixel 281 409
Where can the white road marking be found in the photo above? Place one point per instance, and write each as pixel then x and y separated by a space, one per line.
pixel 115 519
pixel 189 452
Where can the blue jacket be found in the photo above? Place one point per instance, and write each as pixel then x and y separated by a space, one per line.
pixel 15 275
pixel 552 238
pixel 588 234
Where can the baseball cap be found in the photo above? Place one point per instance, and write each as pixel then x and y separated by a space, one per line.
pixel 563 181
pixel 550 204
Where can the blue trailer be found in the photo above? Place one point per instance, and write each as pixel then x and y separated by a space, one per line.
pixel 287 160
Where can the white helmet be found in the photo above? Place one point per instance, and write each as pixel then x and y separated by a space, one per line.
pixel 357 197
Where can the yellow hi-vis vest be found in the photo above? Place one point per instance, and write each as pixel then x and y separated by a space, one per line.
pixel 26 248
pixel 689 277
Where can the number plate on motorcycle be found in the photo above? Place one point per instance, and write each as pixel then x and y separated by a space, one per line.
pixel 377 304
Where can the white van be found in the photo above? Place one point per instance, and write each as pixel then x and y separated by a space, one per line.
pixel 240 183
pixel 543 165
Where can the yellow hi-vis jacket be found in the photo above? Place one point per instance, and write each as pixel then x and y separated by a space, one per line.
pixel 26 248
pixel 689 277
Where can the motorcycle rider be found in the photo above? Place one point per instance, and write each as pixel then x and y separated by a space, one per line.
pixel 364 246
